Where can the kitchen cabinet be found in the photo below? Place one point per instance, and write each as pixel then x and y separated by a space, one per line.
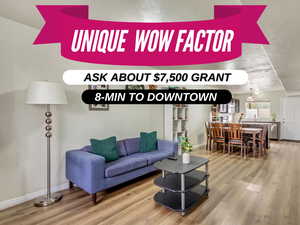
pixel 224 112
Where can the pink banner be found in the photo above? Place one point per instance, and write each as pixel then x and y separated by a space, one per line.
pixel 151 44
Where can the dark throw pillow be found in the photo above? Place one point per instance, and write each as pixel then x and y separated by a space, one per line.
pixel 148 141
pixel 106 148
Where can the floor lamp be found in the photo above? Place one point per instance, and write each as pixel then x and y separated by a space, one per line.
pixel 47 93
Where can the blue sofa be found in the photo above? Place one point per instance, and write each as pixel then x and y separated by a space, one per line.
pixel 91 173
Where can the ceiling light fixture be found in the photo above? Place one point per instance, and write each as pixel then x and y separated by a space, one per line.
pixel 251 98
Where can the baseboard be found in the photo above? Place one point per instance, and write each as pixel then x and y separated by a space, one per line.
pixel 198 147
pixel 289 140
pixel 15 201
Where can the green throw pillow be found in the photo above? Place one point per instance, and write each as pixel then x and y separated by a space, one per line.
pixel 106 148
pixel 148 141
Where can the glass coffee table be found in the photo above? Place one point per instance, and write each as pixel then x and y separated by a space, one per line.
pixel 181 184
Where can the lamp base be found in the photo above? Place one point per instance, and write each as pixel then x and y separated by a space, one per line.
pixel 45 201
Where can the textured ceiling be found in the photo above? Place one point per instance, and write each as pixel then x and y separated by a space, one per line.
pixel 281 25
pixel 262 75
pixel 24 11
pixel 265 64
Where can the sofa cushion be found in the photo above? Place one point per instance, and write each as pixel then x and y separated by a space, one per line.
pixel 106 148
pixel 124 165
pixel 121 148
pixel 148 141
pixel 153 156
pixel 132 145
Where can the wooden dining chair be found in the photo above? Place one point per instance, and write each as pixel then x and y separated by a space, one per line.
pixel 208 136
pixel 235 138
pixel 218 134
pixel 260 142
pixel 263 140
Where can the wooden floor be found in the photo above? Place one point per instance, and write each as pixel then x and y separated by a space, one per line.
pixel 243 192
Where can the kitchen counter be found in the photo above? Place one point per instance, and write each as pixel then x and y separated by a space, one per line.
pixel 254 121
pixel 273 127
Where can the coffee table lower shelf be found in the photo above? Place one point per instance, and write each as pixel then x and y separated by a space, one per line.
pixel 172 200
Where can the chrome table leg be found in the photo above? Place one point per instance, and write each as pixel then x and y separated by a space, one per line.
pixel 206 180
pixel 182 195
pixel 163 174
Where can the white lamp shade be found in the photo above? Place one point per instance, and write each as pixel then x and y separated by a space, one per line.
pixel 44 92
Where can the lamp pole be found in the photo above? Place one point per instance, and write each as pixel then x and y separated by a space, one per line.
pixel 49 198
pixel 48 134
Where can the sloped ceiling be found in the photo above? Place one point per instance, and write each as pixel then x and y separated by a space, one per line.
pixel 270 67
pixel 281 25
pixel 25 12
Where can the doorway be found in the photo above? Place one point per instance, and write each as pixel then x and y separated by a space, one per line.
pixel 290 107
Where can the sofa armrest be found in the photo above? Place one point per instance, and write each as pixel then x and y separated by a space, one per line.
pixel 85 169
pixel 169 146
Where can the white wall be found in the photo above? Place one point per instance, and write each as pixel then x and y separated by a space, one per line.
pixel 22 141
pixel 198 115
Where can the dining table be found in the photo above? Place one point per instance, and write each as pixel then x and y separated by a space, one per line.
pixel 253 130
